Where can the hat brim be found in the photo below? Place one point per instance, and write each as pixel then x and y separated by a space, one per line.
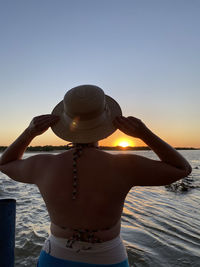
pixel 65 131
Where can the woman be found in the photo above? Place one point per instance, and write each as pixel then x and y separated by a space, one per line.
pixel 85 188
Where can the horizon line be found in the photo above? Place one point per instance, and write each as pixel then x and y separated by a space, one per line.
pixel 66 147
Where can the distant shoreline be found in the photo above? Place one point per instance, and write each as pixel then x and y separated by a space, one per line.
pixel 112 148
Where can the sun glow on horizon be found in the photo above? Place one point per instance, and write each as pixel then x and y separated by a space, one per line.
pixel 123 142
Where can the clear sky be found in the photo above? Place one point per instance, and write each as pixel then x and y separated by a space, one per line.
pixel 143 53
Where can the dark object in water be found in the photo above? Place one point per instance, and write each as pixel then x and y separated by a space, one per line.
pixel 7 232
pixel 182 185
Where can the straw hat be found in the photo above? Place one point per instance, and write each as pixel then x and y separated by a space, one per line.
pixel 86 115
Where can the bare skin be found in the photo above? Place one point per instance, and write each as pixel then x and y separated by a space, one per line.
pixel 104 179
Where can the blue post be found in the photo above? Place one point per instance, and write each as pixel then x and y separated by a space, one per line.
pixel 7 232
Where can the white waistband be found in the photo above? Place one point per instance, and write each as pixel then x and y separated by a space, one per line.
pixel 108 252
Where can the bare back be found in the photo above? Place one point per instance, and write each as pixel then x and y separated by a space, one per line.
pixel 100 197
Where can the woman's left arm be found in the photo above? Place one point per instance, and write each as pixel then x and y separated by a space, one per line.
pixel 37 126
pixel 16 150
pixel 25 170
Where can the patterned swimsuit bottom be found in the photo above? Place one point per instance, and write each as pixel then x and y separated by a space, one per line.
pixel 62 252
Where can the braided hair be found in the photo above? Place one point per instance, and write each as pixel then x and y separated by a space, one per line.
pixel 77 154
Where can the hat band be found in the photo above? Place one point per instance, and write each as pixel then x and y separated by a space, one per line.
pixel 77 124
pixel 87 116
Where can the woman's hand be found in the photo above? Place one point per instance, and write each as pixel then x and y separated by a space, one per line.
pixel 130 126
pixel 40 124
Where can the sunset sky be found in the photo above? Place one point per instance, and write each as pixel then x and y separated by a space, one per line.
pixel 144 53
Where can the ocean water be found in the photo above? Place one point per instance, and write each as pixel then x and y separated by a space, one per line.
pixel 160 226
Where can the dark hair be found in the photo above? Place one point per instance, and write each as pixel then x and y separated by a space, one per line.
pixel 77 154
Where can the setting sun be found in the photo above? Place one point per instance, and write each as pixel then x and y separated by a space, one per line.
pixel 124 142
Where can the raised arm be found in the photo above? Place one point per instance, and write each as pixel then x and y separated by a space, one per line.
pixel 11 162
pixel 172 165
pixel 37 126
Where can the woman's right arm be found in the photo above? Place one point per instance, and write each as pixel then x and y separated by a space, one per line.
pixel 171 167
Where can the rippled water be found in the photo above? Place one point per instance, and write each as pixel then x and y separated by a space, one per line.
pixel 160 226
